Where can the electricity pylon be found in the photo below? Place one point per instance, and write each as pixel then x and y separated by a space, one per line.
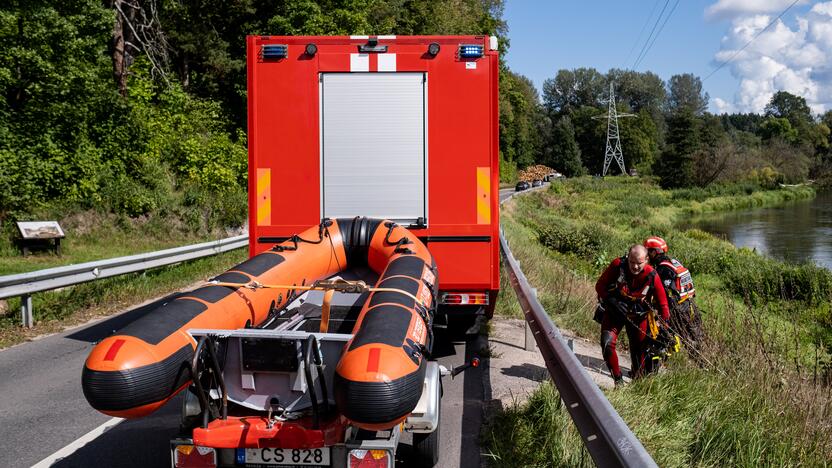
pixel 613 141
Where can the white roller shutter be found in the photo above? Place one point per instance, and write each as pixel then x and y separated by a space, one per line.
pixel 373 158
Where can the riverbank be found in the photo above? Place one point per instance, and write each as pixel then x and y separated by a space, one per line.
pixel 758 399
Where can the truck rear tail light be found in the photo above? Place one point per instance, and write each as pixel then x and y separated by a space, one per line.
pixel 470 51
pixel 275 51
pixel 192 456
pixel 464 298
pixel 360 458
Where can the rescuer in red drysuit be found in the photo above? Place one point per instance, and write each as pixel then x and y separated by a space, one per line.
pixel 626 289
pixel 685 320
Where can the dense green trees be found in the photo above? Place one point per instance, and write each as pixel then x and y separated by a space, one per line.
pixel 70 138
pixel 580 95
pixel 685 94
pixel 673 135
pixel 138 106
pixel 521 139
pixel 564 154
pixel 675 167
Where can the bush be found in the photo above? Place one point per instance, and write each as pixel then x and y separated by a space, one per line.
pixel 133 157
pixel 767 177
pixel 206 208
pixel 586 240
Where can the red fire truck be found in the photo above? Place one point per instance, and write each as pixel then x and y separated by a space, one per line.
pixel 350 129
pixel 389 127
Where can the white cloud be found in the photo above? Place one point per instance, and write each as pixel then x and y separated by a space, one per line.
pixel 722 106
pixel 796 58
pixel 728 8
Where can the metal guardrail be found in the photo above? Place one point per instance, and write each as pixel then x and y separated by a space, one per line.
pixel 608 439
pixel 26 284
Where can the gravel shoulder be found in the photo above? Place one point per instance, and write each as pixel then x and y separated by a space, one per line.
pixel 515 373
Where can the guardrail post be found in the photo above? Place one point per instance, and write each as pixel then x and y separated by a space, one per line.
pixel 26 311
pixel 529 344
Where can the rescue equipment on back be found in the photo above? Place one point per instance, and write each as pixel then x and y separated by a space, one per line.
pixel 683 283
pixel 381 373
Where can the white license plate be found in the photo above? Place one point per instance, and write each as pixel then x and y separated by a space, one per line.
pixel 290 457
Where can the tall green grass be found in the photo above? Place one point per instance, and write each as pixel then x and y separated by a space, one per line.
pixel 760 395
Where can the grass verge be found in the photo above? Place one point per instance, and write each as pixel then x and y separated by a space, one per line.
pixel 762 397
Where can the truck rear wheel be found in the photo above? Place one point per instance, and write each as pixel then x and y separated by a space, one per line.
pixel 426 446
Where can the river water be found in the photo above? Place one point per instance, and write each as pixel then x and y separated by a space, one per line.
pixel 797 232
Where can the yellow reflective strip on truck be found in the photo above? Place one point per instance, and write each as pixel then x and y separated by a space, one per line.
pixel 264 197
pixel 483 195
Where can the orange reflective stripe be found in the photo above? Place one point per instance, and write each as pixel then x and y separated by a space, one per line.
pixel 483 195
pixel 264 197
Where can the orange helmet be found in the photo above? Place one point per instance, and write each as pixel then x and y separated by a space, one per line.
pixel 656 242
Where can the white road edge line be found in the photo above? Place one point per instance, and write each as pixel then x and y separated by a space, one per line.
pixel 78 443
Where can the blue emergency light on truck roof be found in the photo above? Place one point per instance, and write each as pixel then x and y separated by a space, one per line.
pixel 470 51
pixel 275 51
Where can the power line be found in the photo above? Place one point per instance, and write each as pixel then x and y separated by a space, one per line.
pixel 658 18
pixel 657 34
pixel 643 27
pixel 750 41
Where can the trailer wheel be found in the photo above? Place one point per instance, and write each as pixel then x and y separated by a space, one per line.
pixel 426 446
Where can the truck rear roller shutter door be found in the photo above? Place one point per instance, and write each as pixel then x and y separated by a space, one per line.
pixel 373 149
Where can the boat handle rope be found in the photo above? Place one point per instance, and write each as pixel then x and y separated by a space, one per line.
pixel 329 287
pixel 325 285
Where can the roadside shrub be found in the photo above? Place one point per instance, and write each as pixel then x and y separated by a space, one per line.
pixel 592 241
pixel 18 189
pixel 207 209
pixel 566 240
pixel 124 195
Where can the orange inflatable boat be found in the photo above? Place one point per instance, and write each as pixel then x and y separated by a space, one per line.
pixel 380 375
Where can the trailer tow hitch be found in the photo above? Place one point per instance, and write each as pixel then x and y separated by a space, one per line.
pixel 474 362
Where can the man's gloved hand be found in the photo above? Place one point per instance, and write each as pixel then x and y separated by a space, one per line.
pixel 668 338
pixel 615 307
pixel 598 316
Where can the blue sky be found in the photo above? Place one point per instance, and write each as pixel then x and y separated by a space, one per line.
pixel 549 35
